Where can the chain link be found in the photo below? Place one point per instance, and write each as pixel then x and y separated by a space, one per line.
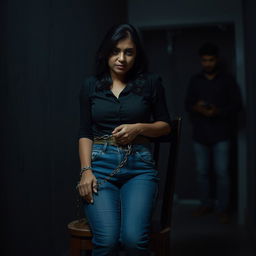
pixel 121 164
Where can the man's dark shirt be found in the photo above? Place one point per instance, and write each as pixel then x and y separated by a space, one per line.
pixel 223 92
pixel 101 111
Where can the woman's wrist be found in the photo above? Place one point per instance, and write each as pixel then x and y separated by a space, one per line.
pixel 86 172
pixel 85 169
pixel 153 129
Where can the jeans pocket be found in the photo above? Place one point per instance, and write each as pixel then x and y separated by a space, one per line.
pixel 95 154
pixel 146 156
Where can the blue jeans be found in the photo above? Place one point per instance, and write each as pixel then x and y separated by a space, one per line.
pixel 122 209
pixel 220 153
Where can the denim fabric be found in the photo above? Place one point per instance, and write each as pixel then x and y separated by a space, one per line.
pixel 122 209
pixel 220 155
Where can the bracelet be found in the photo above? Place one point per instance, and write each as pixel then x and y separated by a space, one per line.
pixel 85 169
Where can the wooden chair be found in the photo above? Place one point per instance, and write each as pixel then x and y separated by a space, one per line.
pixel 81 235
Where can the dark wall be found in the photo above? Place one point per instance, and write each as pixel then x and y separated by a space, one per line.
pixel 166 13
pixel 47 48
pixel 250 50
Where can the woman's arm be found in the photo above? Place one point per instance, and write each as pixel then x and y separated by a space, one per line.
pixel 125 133
pixel 88 181
pixel 155 129
pixel 85 151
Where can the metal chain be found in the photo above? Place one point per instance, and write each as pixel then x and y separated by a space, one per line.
pixel 121 164
pixel 115 171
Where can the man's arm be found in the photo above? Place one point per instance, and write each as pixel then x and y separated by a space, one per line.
pixel 234 100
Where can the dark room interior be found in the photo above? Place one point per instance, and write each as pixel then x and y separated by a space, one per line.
pixel 48 47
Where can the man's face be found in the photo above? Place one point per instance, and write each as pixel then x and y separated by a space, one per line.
pixel 209 63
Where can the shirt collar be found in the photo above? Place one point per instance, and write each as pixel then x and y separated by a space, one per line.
pixel 126 90
pixel 219 73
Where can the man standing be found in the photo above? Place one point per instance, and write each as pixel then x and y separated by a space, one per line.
pixel 213 99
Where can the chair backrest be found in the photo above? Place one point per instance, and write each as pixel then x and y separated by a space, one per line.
pixel 173 138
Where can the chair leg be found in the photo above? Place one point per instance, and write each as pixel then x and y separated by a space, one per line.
pixel 167 247
pixel 163 248
pixel 160 248
pixel 75 246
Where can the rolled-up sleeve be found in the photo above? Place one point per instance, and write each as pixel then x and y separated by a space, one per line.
pixel 159 107
pixel 85 129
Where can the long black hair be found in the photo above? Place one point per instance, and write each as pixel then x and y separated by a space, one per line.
pixel 135 75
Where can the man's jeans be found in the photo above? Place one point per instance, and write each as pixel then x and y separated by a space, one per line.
pixel 220 155
pixel 122 209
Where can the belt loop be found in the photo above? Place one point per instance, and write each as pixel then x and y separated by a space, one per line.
pixel 105 146
pixel 118 149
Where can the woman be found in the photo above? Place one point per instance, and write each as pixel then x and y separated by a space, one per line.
pixel 119 180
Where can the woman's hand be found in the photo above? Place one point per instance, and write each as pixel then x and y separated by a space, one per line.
pixel 126 133
pixel 87 185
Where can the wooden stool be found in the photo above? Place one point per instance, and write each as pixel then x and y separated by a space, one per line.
pixel 80 237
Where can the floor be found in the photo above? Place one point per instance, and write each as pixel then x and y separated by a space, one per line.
pixel 206 236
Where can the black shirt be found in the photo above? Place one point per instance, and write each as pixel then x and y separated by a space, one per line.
pixel 221 91
pixel 101 111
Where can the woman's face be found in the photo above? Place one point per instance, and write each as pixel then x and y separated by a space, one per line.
pixel 123 56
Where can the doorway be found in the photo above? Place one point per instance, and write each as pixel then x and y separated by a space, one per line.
pixel 173 53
